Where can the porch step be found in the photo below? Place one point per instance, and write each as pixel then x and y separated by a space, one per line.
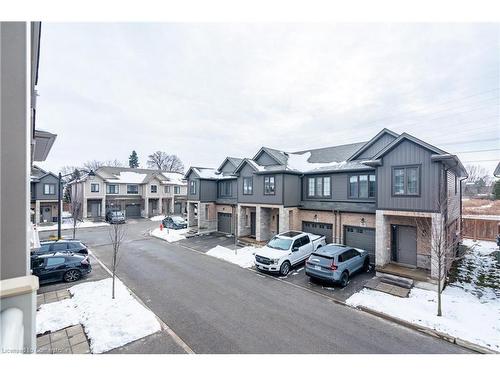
pixel 396 290
pixel 397 280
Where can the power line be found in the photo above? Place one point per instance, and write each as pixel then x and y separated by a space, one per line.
pixel 480 161
pixel 469 152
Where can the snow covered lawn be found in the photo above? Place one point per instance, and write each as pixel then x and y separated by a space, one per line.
pixel 470 302
pixel 169 235
pixel 68 224
pixel 243 257
pixel 108 323
pixel 157 218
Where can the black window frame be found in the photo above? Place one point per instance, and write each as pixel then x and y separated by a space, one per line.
pixel 249 190
pixel 192 187
pixel 225 189
pixel 166 189
pixel 49 185
pixel 177 189
pixel 316 195
pixel 358 185
pixel 155 188
pixel 267 184
pixel 92 185
pixel 116 191
pixel 405 180
pixel 128 189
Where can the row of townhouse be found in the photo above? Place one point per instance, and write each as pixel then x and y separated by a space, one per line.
pixel 137 192
pixel 370 195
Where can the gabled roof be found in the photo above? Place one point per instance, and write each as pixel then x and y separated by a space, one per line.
pixel 204 173
pixel 497 171
pixel 406 136
pixel 38 173
pixel 251 163
pixel 367 145
pixel 278 155
pixel 332 154
pixel 234 161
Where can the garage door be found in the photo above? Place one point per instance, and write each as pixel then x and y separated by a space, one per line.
pixel 177 207
pixel 361 238
pixel 132 210
pixel 322 229
pixel 224 222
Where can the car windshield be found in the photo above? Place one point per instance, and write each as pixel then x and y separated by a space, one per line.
pixel 279 243
pixel 117 213
pixel 177 220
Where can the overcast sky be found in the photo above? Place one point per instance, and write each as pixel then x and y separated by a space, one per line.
pixel 207 91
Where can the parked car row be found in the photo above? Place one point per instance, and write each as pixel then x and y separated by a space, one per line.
pixel 329 262
pixel 60 260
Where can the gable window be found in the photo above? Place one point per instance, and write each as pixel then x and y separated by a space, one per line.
pixel 247 185
pixel 132 189
pixel 406 180
pixel 192 187
pixel 362 186
pixel 269 185
pixel 94 188
pixel 177 189
pixel 225 189
pixel 49 189
pixel 167 189
pixel 113 189
pixel 154 188
pixel 318 187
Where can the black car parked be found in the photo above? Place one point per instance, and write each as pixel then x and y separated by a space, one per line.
pixel 60 266
pixel 174 222
pixel 61 246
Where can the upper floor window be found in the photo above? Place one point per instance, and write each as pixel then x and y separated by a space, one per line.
pixel 154 188
pixel 269 185
pixel 94 188
pixel 456 184
pixel 167 189
pixel 132 189
pixel 362 186
pixel 247 185
pixel 225 189
pixel 192 187
pixel 177 189
pixel 113 189
pixel 319 187
pixel 49 189
pixel 406 180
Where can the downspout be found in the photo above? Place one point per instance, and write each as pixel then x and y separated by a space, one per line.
pixel 334 226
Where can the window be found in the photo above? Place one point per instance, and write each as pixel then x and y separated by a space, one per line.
pixel 94 188
pixel 405 180
pixel 247 185
pixel 269 187
pixel 225 189
pixel 113 189
pixel 192 187
pixel 167 189
pixel 318 187
pixel 132 189
pixel 49 189
pixel 54 261
pixel 154 188
pixel 362 186
pixel 456 184
pixel 177 189
pixel 60 246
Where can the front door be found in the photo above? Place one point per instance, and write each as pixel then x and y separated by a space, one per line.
pixel 46 213
pixel 252 223
pixel 406 245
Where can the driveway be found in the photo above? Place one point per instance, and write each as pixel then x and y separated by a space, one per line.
pixel 218 307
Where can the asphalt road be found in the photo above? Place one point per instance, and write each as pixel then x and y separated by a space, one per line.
pixel 217 307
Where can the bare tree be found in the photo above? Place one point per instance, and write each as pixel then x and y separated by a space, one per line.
pixel 93 165
pixel 116 234
pixel 165 162
pixel 478 175
pixel 76 213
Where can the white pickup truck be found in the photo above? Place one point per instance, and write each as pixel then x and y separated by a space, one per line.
pixel 286 250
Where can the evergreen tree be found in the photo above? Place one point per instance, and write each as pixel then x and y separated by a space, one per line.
pixel 133 160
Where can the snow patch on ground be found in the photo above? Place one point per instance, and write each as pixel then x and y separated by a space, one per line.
pixel 470 303
pixel 109 323
pixel 157 218
pixel 170 235
pixel 242 256
pixel 68 224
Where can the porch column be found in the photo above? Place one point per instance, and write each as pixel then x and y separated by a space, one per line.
pixel 160 211
pixel 146 208
pixel 37 212
pixel 84 208
pixel 172 205
pixel 190 214
pixel 103 207
pixel 284 219
pixel 382 240
pixel 258 211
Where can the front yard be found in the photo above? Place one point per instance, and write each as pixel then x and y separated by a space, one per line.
pixel 470 301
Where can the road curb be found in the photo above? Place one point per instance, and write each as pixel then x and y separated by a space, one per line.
pixel 428 331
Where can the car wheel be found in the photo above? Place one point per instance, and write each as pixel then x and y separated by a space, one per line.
pixel 285 268
pixel 344 279
pixel 72 275
pixel 366 265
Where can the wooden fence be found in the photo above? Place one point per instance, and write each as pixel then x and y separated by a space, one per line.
pixel 480 228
